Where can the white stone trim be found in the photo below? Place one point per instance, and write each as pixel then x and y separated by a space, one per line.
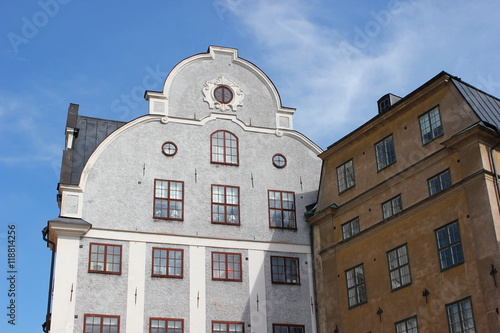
pixel 197 289
pixel 71 201
pixel 237 244
pixel 136 287
pixel 257 281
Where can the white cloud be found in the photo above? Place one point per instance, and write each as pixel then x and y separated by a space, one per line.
pixel 334 74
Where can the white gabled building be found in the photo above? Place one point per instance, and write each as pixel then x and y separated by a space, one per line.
pixel 190 218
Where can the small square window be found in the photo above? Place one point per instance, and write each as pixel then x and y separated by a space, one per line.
pixel 168 262
pixel 449 245
pixel 285 270
pixel 350 228
pixel 356 289
pixel 227 327
pixel 281 209
pixel 288 328
pixel 439 182
pixel 409 325
pixel 392 207
pixel 166 325
pixel 101 324
pixel 225 204
pixel 461 317
pixel 345 176
pixel 399 267
pixel 385 153
pixel 430 125
pixel 105 258
pixel 169 199
pixel 226 266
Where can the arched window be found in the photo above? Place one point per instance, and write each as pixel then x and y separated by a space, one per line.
pixel 224 148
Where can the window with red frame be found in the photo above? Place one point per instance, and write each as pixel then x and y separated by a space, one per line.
pixel 225 204
pixel 286 328
pixel 227 327
pixel 101 324
pixel 166 325
pixel 224 148
pixel 168 262
pixel 281 209
pixel 285 270
pixel 105 258
pixel 169 199
pixel 226 266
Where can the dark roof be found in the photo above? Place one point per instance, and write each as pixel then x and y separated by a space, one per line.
pixel 486 107
pixel 89 133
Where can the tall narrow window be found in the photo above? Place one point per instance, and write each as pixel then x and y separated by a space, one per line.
pixel 226 266
pixel 169 199
pixel 350 228
pixel 166 325
pixel 356 289
pixel 384 150
pixel 224 148
pixel 227 327
pixel 461 317
pixel 430 125
pixel 168 262
pixel 409 325
pixel 105 258
pixel 449 245
pixel 225 204
pixel 439 182
pixel 287 328
pixel 281 209
pixel 101 324
pixel 399 267
pixel 392 207
pixel 285 270
pixel 345 176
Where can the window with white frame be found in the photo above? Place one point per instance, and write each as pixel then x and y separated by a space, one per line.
pixel 356 289
pixel 392 207
pixel 225 204
pixel 449 245
pixel 385 152
pixel 430 125
pixel 399 267
pixel 345 176
pixel 439 182
pixel 461 317
pixel 408 325
pixel 168 199
pixel 350 228
pixel 166 325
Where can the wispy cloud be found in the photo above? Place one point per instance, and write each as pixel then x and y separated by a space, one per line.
pixel 334 73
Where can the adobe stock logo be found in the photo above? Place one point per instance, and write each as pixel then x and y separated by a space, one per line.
pixel 31 27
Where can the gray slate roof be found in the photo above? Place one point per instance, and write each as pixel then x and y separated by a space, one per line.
pixel 486 107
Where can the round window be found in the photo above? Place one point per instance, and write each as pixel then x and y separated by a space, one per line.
pixel 223 94
pixel 279 161
pixel 169 148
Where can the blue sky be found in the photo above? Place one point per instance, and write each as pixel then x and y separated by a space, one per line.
pixel 330 59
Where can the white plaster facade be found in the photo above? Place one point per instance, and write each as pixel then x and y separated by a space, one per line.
pixel 115 196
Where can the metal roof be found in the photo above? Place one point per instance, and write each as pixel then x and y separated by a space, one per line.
pixel 486 107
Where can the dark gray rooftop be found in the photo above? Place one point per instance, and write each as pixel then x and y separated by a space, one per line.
pixel 486 107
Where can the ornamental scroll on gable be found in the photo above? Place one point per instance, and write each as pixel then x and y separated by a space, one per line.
pixel 222 93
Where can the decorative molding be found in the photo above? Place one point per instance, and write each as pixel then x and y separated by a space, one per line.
pixel 208 93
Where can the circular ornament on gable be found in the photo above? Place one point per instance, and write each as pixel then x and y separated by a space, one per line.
pixel 169 148
pixel 279 161
pixel 223 94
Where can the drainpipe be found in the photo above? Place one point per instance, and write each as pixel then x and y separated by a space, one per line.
pixel 45 234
